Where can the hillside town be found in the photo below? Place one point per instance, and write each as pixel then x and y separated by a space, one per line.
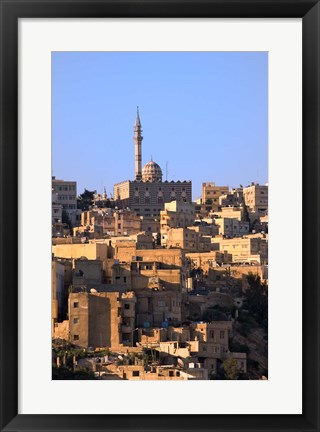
pixel 149 284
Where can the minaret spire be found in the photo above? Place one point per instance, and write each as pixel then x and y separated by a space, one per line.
pixel 137 138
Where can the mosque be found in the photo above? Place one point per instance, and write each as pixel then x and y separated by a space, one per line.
pixel 147 193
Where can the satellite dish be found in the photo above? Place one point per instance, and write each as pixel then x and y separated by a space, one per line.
pixel 180 362
pixel 93 290
pixel 120 357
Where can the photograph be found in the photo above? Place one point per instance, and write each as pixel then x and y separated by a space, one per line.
pixel 159 215
pixel 159 138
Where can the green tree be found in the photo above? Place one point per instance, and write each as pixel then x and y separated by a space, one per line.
pixel 231 368
pixel 256 299
pixel 66 219
pixel 85 200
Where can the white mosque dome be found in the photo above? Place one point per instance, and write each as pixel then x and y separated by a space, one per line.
pixel 151 172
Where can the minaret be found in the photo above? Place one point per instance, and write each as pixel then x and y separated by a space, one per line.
pixel 137 138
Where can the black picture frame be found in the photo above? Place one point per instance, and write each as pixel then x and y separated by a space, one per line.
pixel 11 11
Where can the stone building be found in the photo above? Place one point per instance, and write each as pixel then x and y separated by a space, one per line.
pixel 188 239
pixel 244 249
pixel 230 227
pixel 233 198
pixel 256 198
pixel 232 212
pixel 56 209
pixel 65 193
pixel 147 194
pixel 175 215
pixel 206 260
pixel 203 344
pixel 101 319
pixel 104 222
pixel 92 250
pixel 211 193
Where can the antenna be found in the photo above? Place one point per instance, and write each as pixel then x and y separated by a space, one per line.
pixel 167 170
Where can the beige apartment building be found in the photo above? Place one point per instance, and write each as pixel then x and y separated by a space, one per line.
pixel 206 260
pixel 211 193
pixel 243 249
pixel 205 229
pixel 175 215
pixel 101 319
pixel 129 269
pixel 56 209
pixel 233 198
pixel 65 193
pixel 156 307
pixel 138 275
pixel 100 223
pixel 205 345
pixel 230 227
pixel 141 240
pixel 158 373
pixel 188 240
pixel 91 250
pixel 169 257
pixel 88 273
pixel 150 224
pixel 230 212
pixel 256 198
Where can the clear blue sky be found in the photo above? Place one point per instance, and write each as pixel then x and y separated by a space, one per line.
pixel 206 113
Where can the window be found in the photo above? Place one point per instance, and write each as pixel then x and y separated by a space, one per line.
pixel 75 337
pixel 75 320
pixel 171 374
pixel 222 334
pixel 75 304
pixel 124 279
pixel 135 373
pixel 127 306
